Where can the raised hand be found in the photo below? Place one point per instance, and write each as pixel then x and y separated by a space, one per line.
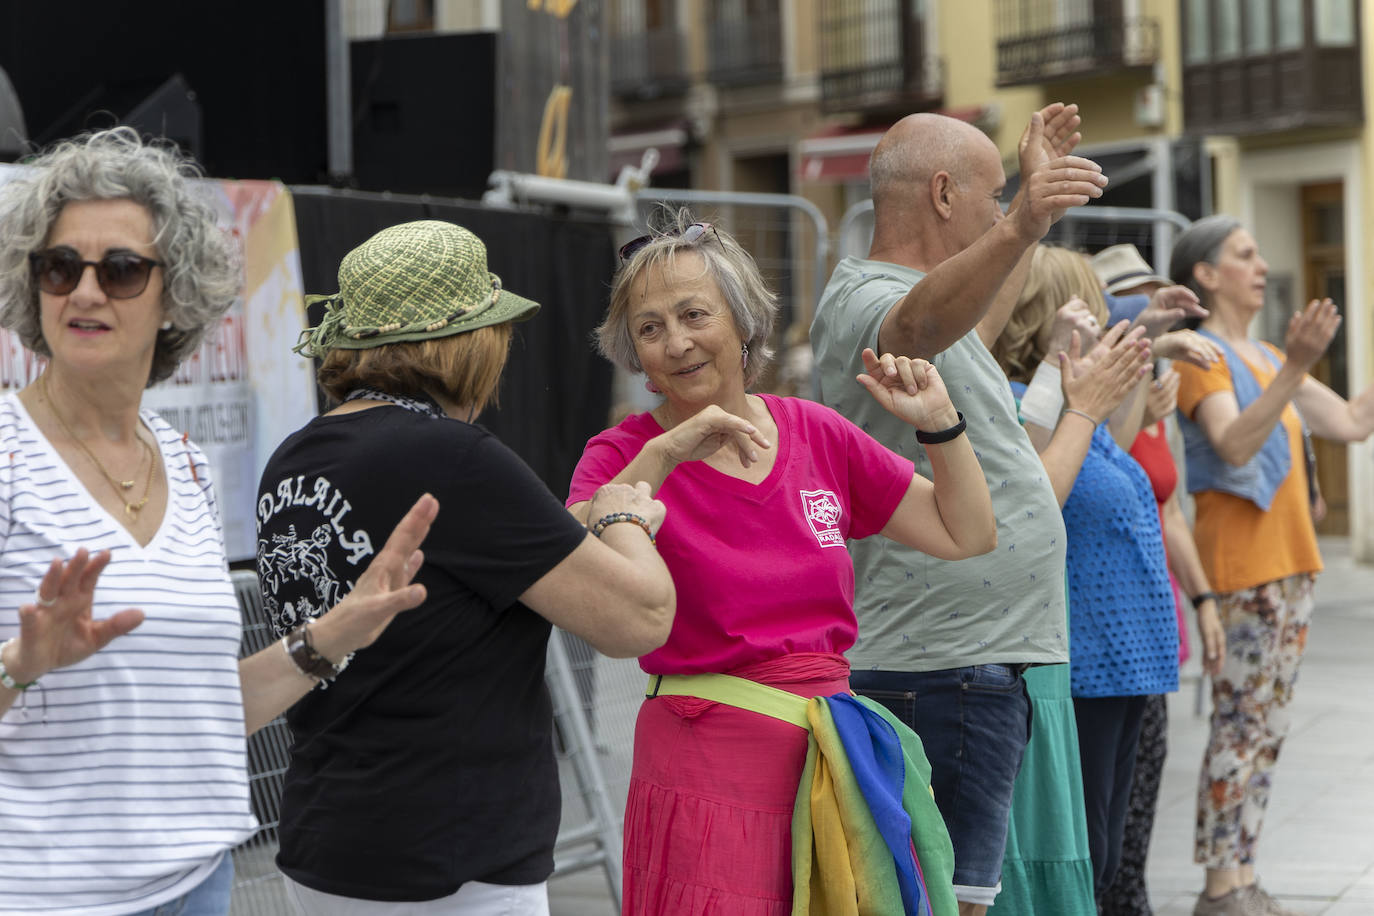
pixel 1073 315
pixel 910 389
pixel 1310 332
pixel 1050 183
pixel 1060 136
pixel 1188 346
pixel 622 497
pixel 1161 399
pixel 383 590
pixel 704 434
pixel 56 629
pixel 1097 383
pixel 1168 306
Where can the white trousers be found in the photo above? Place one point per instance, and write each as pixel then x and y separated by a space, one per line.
pixel 473 899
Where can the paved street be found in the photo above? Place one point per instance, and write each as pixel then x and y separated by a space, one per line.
pixel 1317 851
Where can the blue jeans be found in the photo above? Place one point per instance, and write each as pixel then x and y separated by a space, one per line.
pixel 208 898
pixel 974 723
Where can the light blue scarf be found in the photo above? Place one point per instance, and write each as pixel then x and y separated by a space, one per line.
pixel 1259 478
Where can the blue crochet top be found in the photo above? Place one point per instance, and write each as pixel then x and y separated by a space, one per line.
pixel 1123 634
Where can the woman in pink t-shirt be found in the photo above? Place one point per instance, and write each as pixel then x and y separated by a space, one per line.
pixel 762 493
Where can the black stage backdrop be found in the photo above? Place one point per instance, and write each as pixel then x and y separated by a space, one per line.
pixel 256 67
pixel 555 391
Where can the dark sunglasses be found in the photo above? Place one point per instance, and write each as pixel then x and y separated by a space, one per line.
pixel 689 235
pixel 121 274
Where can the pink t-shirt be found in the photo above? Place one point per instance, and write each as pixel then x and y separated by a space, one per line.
pixel 761 569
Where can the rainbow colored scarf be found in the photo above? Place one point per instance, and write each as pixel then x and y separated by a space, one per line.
pixel 867 839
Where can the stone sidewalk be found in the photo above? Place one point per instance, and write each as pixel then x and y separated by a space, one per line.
pixel 1317 850
pixel 1317 847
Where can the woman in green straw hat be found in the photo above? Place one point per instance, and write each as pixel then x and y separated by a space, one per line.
pixel 428 773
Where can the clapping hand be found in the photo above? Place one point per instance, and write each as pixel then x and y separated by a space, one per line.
pixel 1060 136
pixel 1096 383
pixel 910 389
pixel 1167 307
pixel 1188 346
pixel 56 629
pixel 1161 399
pixel 1052 181
pixel 1310 332
pixel 1073 315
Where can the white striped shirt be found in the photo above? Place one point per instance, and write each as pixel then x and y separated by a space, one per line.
pixel 124 777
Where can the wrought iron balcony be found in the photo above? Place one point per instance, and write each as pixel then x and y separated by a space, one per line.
pixel 745 42
pixel 1295 71
pixel 648 64
pixel 1043 40
pixel 873 58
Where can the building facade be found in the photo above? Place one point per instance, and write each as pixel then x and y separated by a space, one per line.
pixel 1251 107
pixel 1255 108
pixel 1280 90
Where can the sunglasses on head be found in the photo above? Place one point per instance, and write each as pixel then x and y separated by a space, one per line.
pixel 121 274
pixel 689 235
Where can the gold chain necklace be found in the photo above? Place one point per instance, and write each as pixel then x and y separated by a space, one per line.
pixel 130 509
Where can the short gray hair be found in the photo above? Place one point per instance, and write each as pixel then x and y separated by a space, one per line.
pixel 910 153
pixel 753 305
pixel 1200 243
pixel 914 159
pixel 203 272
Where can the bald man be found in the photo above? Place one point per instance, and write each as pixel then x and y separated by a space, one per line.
pixel 944 644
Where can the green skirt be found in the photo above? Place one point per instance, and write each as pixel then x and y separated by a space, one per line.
pixel 1047 869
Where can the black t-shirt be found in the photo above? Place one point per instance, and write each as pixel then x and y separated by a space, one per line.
pixel 429 761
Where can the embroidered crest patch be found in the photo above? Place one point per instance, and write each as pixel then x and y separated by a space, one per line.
pixel 822 511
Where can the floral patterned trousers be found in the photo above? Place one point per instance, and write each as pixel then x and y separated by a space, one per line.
pixel 1266 632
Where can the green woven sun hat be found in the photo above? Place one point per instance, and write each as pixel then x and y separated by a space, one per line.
pixel 415 281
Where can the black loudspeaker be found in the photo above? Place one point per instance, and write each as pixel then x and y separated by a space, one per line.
pixel 169 110
pixel 242 85
pixel 425 114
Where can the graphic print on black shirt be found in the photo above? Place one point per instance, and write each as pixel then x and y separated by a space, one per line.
pixel 298 581
pixel 446 713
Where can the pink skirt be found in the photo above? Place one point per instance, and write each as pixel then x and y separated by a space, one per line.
pixel 708 821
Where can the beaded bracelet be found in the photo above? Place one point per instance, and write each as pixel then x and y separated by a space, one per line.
pixel 607 520
pixel 943 435
pixel 309 661
pixel 6 680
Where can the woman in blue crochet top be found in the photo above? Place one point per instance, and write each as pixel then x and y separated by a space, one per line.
pixel 1122 630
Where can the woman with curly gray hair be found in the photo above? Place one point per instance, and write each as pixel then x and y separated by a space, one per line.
pixel 200 270
pixel 123 761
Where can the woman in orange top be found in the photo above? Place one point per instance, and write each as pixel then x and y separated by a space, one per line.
pixel 1242 421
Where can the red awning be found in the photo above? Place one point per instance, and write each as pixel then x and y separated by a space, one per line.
pixel 841 153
